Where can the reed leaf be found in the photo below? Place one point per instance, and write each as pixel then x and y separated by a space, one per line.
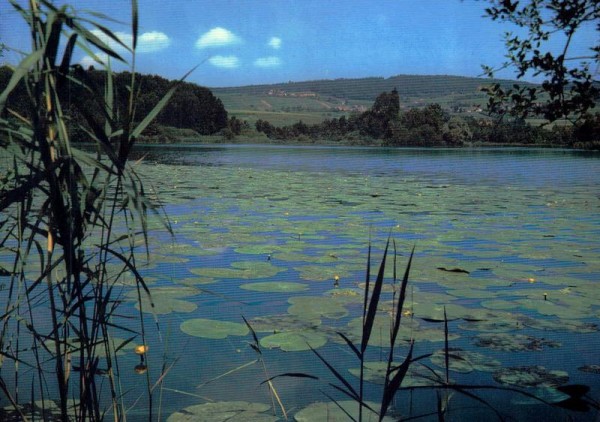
pixel 68 55
pixel 351 345
pixel 446 348
pixel 350 391
pixel 401 300
pixel 64 197
pixel 339 405
pixel 367 283
pixel 374 302
pixel 22 70
pixel 256 343
pixel 393 386
pixel 134 23
pixel 158 107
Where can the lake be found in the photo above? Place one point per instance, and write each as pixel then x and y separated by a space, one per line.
pixel 507 241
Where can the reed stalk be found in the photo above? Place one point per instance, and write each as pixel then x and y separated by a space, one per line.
pixel 69 214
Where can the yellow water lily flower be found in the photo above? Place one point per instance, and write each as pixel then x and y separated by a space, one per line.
pixel 141 349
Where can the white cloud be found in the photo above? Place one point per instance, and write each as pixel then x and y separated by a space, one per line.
pixel 228 62
pixel 152 41
pixel 275 42
pixel 217 37
pixel 267 62
pixel 148 42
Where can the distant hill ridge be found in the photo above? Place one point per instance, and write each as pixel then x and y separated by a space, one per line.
pixel 421 86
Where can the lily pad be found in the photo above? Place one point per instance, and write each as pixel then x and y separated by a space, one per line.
pixel 435 311
pixel 499 304
pixel 294 341
pixel 214 329
pixel 329 411
pixel 166 300
pixel 321 273
pixel 346 296
pixel 286 322
pixel 229 411
pixel 495 325
pixel 513 342
pixel 385 288
pixel 549 307
pixel 416 376
pixel 380 337
pixel 548 394
pixel 311 307
pixel 592 369
pixel 275 287
pixel 241 270
pixel 530 376
pixel 559 326
pixel 464 361
pixel 304 257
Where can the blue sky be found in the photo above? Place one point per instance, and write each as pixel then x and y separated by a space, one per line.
pixel 243 42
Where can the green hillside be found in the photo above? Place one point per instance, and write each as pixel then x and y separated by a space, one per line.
pixel 411 86
pixel 313 101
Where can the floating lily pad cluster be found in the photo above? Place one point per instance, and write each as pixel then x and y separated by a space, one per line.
pixel 295 341
pixel 242 270
pixel 416 376
pixel 225 411
pixel 530 376
pixel 329 411
pixel 514 342
pixel 212 328
pixel 509 264
pixel 164 300
pixel 276 287
pixel 465 361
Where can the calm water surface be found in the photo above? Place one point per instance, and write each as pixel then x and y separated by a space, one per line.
pixel 521 225
pixel 524 224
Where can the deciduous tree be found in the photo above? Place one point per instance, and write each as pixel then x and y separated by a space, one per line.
pixel 568 90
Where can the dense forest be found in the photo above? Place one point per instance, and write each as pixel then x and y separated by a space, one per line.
pixel 385 124
pixel 191 107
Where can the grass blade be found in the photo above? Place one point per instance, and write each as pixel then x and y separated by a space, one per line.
pixel 245 365
pixel 274 391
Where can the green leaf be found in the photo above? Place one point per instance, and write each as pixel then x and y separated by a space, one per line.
pixel 157 108
pixel 66 61
pixel 370 317
pixel 18 74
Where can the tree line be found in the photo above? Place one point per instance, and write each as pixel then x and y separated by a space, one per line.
pixel 191 107
pixel 387 125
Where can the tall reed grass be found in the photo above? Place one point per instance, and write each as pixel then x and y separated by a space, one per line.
pixel 73 223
